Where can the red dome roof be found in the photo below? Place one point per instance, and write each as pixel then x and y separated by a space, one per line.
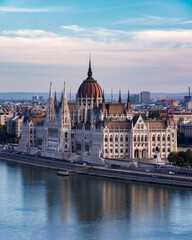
pixel 90 87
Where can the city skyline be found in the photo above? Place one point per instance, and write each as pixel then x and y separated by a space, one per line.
pixel 140 45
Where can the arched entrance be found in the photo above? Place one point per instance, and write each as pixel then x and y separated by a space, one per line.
pixel 144 153
pixel 136 153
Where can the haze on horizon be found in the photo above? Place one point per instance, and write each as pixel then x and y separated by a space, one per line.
pixel 135 44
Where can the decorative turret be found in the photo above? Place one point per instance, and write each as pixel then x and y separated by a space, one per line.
pixel 128 103
pixel 50 117
pixel 65 114
pixel 103 102
pixel 89 69
pixel 55 100
pixel 65 128
pixel 120 96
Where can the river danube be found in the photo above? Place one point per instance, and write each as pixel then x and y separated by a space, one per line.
pixel 37 204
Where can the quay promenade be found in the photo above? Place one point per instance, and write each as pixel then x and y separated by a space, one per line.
pixel 181 178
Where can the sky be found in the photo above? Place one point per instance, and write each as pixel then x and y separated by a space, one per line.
pixel 140 45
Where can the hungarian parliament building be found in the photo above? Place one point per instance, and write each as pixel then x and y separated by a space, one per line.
pixel 93 130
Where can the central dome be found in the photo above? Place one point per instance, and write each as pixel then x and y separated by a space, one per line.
pixel 90 88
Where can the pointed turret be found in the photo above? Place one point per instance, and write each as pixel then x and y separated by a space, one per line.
pixel 55 100
pixel 50 91
pixel 65 127
pixel 103 96
pixel 128 102
pixel 120 96
pixel 50 106
pixel 65 114
pixel 103 102
pixel 89 69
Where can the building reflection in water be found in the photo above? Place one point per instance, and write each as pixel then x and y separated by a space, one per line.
pixel 84 199
pixel 151 201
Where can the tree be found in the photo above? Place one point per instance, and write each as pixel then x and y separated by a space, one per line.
pixel 183 155
pixel 173 156
pixel 189 156
pixel 5 137
pixel 180 161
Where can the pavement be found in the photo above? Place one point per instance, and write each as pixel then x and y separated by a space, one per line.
pixel 165 175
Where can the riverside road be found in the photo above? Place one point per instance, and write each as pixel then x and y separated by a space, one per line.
pixel 181 177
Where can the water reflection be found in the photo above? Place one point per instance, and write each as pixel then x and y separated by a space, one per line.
pixel 90 199
pixel 102 205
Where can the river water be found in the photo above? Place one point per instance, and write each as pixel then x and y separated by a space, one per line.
pixel 37 204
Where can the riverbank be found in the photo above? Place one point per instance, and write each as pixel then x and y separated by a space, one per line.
pixel 135 174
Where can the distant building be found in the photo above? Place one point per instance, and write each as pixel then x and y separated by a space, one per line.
pixel 188 98
pixel 41 98
pixel 136 98
pixel 14 125
pixel 182 119
pixel 189 105
pixel 34 100
pixel 187 129
pixel 4 116
pixel 145 97
pixel 132 99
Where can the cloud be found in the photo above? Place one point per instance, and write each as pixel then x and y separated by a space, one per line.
pixel 29 33
pixel 147 20
pixel 74 28
pixel 162 36
pixel 139 4
pixel 187 22
pixel 149 38
pixel 35 10
pixel 141 57
pixel 153 48
pixel 27 10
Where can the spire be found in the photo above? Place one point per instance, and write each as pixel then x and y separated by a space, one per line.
pixel 119 96
pixel 55 99
pixel 50 91
pixel 128 102
pixel 64 92
pixel 65 114
pixel 103 103
pixel 64 98
pixel 103 96
pixel 50 107
pixel 89 69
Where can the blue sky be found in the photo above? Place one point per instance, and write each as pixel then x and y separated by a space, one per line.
pixel 135 44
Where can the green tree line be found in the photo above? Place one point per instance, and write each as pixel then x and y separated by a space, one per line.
pixel 5 137
pixel 181 158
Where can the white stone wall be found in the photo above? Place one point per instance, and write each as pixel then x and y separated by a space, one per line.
pixel 140 147
pixel 165 140
pixel 116 143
